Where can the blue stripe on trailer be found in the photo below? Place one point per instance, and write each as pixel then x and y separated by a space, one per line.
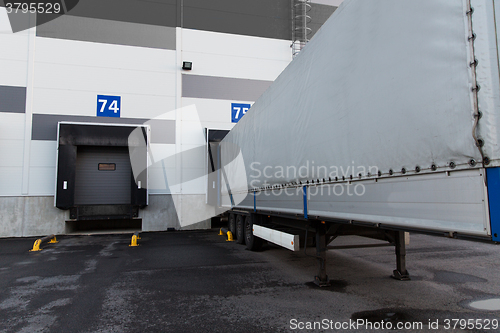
pixel 304 189
pixel 493 176
pixel 254 202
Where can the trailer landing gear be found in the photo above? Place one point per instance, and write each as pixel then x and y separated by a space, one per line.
pixel 400 273
pixel 393 238
pixel 321 279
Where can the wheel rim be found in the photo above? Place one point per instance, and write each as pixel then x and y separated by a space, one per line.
pixel 232 224
pixel 239 230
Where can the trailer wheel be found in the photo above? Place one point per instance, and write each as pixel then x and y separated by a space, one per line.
pixel 232 224
pixel 253 243
pixel 240 233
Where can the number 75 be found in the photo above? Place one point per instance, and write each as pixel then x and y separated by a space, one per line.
pixel 238 110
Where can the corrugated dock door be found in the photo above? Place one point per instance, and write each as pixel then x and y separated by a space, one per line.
pixel 103 176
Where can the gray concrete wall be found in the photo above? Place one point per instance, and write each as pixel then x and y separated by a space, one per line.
pixel 160 213
pixel 194 208
pixel 37 216
pixel 30 216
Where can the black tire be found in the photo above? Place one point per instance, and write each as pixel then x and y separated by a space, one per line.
pixel 240 227
pixel 253 243
pixel 232 224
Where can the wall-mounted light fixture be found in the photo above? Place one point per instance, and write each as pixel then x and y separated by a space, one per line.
pixel 187 65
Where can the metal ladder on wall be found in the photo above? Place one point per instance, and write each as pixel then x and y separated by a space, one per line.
pixel 300 20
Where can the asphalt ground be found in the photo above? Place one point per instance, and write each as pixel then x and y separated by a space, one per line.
pixel 198 282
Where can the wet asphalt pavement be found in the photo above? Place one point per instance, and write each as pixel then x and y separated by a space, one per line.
pixel 198 282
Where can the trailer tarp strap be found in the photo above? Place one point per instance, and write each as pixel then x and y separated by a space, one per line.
pixel 304 189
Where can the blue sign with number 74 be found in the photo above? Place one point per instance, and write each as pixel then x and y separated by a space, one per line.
pixel 238 110
pixel 108 106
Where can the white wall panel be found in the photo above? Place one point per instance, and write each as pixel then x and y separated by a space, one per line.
pixel 84 103
pixel 103 80
pixel 11 153
pixel 163 154
pixel 228 55
pixel 13 54
pixel 218 125
pixel 17 46
pixel 148 106
pixel 87 54
pixel 69 75
pixel 67 102
pixel 162 173
pixel 42 180
pixel 235 45
pixel 192 134
pixel 158 180
pixel 43 153
pixel 11 180
pixel 4 21
pixel 12 126
pixel 213 110
pixel 193 156
pixel 192 183
pixel 236 67
pixel 13 72
pixel 18 42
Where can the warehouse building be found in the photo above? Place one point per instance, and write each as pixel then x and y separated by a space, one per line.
pixel 74 89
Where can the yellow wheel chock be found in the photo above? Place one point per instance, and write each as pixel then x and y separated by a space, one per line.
pixel 135 237
pixel 36 246
pixel 229 234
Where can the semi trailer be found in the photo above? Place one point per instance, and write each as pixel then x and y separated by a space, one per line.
pixel 387 122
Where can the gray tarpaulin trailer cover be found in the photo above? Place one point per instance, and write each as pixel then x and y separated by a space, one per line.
pixel 390 116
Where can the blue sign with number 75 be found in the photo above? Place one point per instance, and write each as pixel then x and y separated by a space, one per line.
pixel 108 106
pixel 238 110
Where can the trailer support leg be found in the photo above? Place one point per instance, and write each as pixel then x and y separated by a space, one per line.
pixel 400 273
pixel 321 279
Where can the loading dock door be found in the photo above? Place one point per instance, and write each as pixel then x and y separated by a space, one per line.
pixel 103 176
pixel 214 137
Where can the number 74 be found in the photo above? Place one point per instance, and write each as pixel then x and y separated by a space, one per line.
pixel 113 106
